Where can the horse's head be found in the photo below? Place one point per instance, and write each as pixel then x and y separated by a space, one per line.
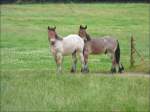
pixel 83 34
pixel 82 31
pixel 51 34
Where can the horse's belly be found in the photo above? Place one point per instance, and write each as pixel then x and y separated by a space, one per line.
pixel 68 49
pixel 97 49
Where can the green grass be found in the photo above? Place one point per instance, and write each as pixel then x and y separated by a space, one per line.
pixel 28 79
pixel 42 91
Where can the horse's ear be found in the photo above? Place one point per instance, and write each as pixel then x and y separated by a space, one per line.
pixel 54 27
pixel 48 27
pixel 80 26
pixel 86 27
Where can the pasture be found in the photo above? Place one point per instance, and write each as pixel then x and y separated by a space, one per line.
pixel 28 79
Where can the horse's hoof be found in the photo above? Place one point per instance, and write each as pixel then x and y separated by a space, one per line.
pixel 121 69
pixel 82 70
pixel 72 71
pixel 113 70
pixel 87 70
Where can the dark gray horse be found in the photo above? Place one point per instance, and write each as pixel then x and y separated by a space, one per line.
pixel 106 44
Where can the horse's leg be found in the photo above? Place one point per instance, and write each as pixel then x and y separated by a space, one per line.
pixel 117 57
pixel 86 54
pixel 82 61
pixel 58 59
pixel 118 64
pixel 74 57
pixel 121 68
pixel 113 69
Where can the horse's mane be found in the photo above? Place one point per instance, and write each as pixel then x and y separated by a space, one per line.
pixel 88 37
pixel 58 37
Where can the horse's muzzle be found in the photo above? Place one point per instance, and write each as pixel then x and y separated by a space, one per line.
pixel 85 40
pixel 53 42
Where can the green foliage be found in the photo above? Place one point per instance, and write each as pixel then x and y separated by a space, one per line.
pixel 69 1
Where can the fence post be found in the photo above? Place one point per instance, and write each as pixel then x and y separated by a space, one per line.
pixel 132 61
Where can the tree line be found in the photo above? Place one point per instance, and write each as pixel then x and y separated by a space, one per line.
pixel 69 1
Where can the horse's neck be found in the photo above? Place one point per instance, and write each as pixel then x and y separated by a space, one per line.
pixel 88 37
pixel 57 47
pixel 58 38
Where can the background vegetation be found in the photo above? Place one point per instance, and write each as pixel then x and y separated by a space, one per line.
pixel 69 1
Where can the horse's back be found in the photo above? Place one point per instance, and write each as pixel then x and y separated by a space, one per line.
pixel 109 38
pixel 102 44
pixel 73 39
pixel 72 42
pixel 110 42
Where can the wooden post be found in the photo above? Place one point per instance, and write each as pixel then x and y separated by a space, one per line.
pixel 132 61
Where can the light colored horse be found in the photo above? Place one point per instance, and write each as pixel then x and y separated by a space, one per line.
pixel 72 44
pixel 106 44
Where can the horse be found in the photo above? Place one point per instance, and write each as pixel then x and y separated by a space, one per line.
pixel 71 44
pixel 104 45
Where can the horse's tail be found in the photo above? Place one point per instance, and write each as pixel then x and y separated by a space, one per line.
pixel 117 53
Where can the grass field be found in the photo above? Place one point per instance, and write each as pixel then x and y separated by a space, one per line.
pixel 28 79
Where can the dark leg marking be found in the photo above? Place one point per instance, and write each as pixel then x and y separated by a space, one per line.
pixel 121 69
pixel 113 70
pixel 85 53
pixel 74 57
